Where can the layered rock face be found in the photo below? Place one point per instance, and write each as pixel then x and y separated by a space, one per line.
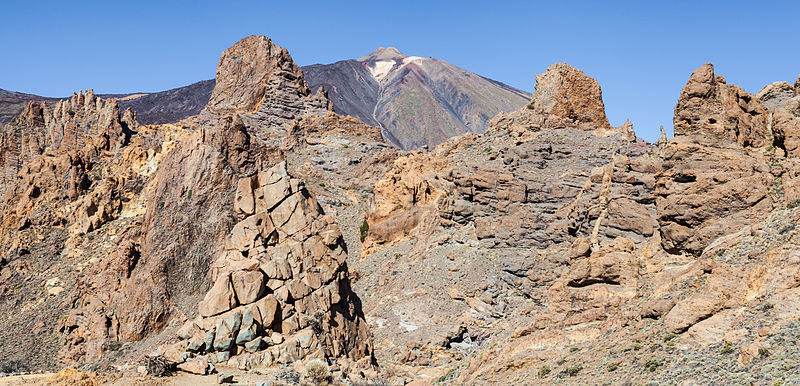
pixel 718 173
pixel 510 181
pixel 649 240
pixel 484 216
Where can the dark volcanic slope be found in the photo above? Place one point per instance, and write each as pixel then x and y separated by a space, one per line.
pixel 12 103
pixel 351 87
pixel 417 101
pixel 171 105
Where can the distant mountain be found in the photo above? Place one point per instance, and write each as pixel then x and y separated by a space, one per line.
pixel 416 101
pixel 12 103
pixel 151 108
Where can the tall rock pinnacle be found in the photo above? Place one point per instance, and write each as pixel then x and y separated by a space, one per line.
pixel 255 76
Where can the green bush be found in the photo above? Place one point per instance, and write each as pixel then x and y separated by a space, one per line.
pixel 652 364
pixel 364 229
pixel 543 371
pixel 574 370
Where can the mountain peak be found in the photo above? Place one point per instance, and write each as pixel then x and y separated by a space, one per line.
pixel 383 53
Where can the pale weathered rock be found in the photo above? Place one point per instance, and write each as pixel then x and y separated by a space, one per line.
pixel 194 366
pixel 219 299
pixel 248 285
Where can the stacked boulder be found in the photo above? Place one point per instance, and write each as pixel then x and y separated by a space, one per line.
pixel 281 290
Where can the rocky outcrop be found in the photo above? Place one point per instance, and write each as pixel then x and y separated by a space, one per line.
pixel 70 124
pixel 281 289
pixel 567 93
pixel 596 285
pixel 509 182
pixel 712 113
pixel 258 78
pixel 187 216
pixel 717 173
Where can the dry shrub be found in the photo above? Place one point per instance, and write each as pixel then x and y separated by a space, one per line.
pixel 73 377
pixel 317 371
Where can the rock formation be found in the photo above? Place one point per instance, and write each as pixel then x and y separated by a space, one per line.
pixel 145 209
pixel 257 78
pixel 268 231
pixel 567 93
pixel 281 282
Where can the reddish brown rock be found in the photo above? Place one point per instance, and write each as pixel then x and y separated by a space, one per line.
pixel 713 113
pixel 566 93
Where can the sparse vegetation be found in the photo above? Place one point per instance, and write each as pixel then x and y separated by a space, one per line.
pixel 763 352
pixel 364 230
pixel 317 371
pixel 114 346
pixel 612 367
pixel 451 374
pixel 793 204
pixel 652 364
pixel 727 348
pixel 12 366
pixel 544 371
pixel 316 323
pixel 574 370
pixel 157 366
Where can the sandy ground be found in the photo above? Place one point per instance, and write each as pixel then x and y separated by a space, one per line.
pixel 179 379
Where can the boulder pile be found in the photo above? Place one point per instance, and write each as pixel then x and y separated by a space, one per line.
pixel 281 290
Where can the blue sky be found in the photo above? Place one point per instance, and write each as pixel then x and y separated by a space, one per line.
pixel 641 52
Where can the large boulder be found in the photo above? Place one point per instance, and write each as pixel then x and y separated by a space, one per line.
pixel 569 97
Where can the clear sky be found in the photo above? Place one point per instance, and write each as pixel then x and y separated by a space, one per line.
pixel 641 52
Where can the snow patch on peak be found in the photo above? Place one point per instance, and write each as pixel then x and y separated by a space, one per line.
pixel 410 59
pixel 381 68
